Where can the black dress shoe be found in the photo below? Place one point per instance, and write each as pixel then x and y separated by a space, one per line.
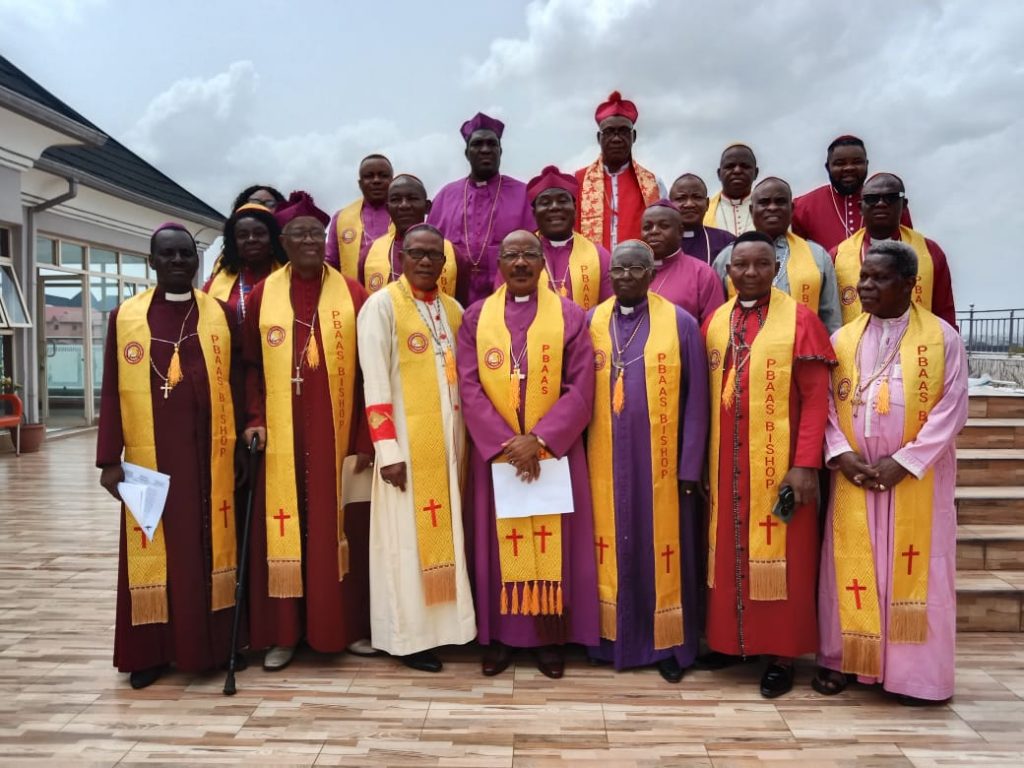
pixel 913 701
pixel 145 677
pixel 423 661
pixel 551 662
pixel 776 680
pixel 496 659
pixel 670 670
pixel 715 660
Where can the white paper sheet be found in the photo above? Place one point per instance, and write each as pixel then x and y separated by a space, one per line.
pixel 144 492
pixel 549 494
pixel 355 486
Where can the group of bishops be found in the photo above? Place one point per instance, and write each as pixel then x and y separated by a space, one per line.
pixel 755 399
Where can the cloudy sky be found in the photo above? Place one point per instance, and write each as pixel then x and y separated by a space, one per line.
pixel 222 94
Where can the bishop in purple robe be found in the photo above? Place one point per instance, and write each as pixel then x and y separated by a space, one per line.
pixel 690 194
pixel 477 212
pixel 558 432
pixel 631 272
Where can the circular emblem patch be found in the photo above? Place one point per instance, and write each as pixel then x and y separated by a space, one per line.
pixel 494 358
pixel 348 235
pixel 844 389
pixel 133 352
pixel 275 336
pixel 716 359
pixel 600 358
pixel 417 342
pixel 376 281
pixel 849 295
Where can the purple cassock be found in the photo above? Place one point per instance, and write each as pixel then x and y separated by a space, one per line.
pixel 631 459
pixel 556 261
pixel 562 431
pixel 705 243
pixel 476 217
pixel 690 284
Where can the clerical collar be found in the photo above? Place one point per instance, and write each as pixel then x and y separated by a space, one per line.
pixel 178 296
pixel 627 311
pixel 423 295
pixel 522 299
pixel 689 233
pixel 747 304
pixel 560 243
pixel 610 172
pixel 730 201
pixel 484 183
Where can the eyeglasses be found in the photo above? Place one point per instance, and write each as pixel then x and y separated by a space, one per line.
pixel 298 235
pixel 419 254
pixel 514 256
pixel 889 198
pixel 636 271
pixel 622 131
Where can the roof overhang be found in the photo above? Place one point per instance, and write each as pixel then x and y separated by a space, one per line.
pixel 33 110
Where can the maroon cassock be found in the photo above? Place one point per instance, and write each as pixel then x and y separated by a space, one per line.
pixel 194 639
pixel 332 613
pixel 788 627
pixel 705 243
pixel 561 429
pixel 828 218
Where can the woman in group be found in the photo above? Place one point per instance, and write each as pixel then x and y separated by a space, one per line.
pixel 261 194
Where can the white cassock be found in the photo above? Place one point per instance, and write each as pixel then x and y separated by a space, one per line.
pixel 400 621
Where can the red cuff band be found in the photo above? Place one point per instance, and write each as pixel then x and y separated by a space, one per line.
pixel 382 427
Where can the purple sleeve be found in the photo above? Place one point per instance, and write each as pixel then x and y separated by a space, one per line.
pixel 563 425
pixel 486 426
pixel 694 398
pixel 331 250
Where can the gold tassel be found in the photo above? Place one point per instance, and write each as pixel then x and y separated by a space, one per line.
pixel 535 600
pixel 515 599
pixel 527 598
pixel 619 394
pixel 284 578
pixel 767 580
pixel 882 401
pixel 513 390
pixel 149 605
pixel 545 599
pixel 343 559
pixel 608 620
pixel 862 655
pixel 668 628
pixel 449 366
pixel 729 390
pixel 174 374
pixel 558 600
pixel 313 354
pixel 439 585
pixel 563 291
pixel 908 623
pixel 504 599
pixel 222 589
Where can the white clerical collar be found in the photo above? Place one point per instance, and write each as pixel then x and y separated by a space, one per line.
pixel 522 299
pixel 560 243
pixel 624 310
pixel 610 172
pixel 747 304
pixel 730 201
pixel 689 233
pixel 178 296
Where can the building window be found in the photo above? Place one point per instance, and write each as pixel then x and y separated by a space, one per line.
pixel 72 255
pixel 13 312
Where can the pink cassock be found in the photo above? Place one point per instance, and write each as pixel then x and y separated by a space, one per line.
pixel 688 283
pixel 925 671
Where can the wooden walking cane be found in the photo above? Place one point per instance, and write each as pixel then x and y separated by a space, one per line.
pixel 242 568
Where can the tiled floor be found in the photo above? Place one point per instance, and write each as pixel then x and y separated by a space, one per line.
pixel 61 703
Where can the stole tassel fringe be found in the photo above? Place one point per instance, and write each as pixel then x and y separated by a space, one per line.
pixel 149 605
pixel 343 559
pixel 606 612
pixel 222 589
pixel 513 390
pixel 515 599
pixel 862 655
pixel 668 628
pixel 539 598
pixel 768 580
pixel 284 578
pixel 439 585
pixel 908 623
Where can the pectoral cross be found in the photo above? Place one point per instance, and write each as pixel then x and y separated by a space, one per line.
pixel 517 374
pixel 166 387
pixel 297 381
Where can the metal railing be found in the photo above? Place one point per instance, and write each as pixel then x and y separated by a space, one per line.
pixel 998 331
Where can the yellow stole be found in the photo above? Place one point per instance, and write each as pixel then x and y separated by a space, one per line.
pixel 592 196
pixel 223 281
pixel 349 225
pixel 584 272
pixel 802 273
pixel 537 565
pixel 848 261
pixel 770 367
pixel 377 269
pixel 336 321
pixel 428 456
pixel 147 560
pixel 922 359
pixel 663 371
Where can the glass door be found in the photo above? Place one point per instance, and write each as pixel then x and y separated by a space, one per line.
pixel 63 335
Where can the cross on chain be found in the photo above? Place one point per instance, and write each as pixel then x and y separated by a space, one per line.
pixel 667 554
pixel 543 533
pixel 515 536
pixel 297 381
pixel 281 517
pixel 768 524
pixel 225 508
pixel 856 588
pixel 142 536
pixel 432 508
pixel 166 387
pixel 910 554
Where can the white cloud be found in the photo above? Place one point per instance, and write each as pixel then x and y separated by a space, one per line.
pixel 42 14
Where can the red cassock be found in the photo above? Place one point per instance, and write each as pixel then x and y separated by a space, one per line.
pixel 194 639
pixel 630 208
pixel 331 614
pixel 780 627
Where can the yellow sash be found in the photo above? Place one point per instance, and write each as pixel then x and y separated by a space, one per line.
pixel 223 281
pixel 663 371
pixel 428 456
pixel 802 273
pixel 537 564
pixel 592 196
pixel 712 211
pixel 848 261
pixel 336 321
pixel 147 560
pixel 922 360
pixel 377 269
pixel 584 272
pixel 770 368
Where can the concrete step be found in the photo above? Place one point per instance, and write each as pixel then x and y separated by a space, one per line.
pixel 989 601
pixel 989 466
pixel 992 433
pixel 996 407
pixel 990 505
pixel 990 548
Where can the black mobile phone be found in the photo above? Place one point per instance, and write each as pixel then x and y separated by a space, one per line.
pixel 785 504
